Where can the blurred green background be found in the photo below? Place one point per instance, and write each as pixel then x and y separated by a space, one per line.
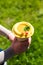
pixel 13 11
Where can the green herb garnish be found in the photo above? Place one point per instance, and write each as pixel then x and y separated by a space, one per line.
pixel 26 28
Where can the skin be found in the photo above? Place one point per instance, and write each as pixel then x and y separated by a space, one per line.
pixel 20 46
pixel 17 46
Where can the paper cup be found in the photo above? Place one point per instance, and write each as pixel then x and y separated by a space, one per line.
pixel 18 29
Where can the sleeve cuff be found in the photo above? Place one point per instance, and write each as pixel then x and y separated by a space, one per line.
pixel 8 53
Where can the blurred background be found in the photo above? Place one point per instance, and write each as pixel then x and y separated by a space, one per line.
pixel 13 11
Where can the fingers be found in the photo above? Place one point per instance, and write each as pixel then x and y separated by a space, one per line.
pixel 29 40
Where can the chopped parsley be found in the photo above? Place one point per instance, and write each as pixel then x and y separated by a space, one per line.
pixel 26 28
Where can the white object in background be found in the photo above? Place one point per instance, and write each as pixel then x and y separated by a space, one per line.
pixel 1 56
pixel 5 63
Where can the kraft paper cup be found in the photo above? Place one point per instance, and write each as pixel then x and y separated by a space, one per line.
pixel 21 39
pixel 20 27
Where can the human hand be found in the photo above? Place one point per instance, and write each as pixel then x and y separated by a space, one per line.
pixel 20 46
pixel 17 46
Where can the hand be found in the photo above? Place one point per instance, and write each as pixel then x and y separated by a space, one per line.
pixel 17 46
pixel 20 46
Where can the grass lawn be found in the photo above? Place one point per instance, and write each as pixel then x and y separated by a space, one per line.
pixel 13 11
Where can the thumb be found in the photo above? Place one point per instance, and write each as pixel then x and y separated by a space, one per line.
pixel 29 41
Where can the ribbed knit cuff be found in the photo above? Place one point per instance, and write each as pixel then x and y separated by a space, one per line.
pixel 8 53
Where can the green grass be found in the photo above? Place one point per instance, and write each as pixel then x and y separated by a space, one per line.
pixel 12 11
